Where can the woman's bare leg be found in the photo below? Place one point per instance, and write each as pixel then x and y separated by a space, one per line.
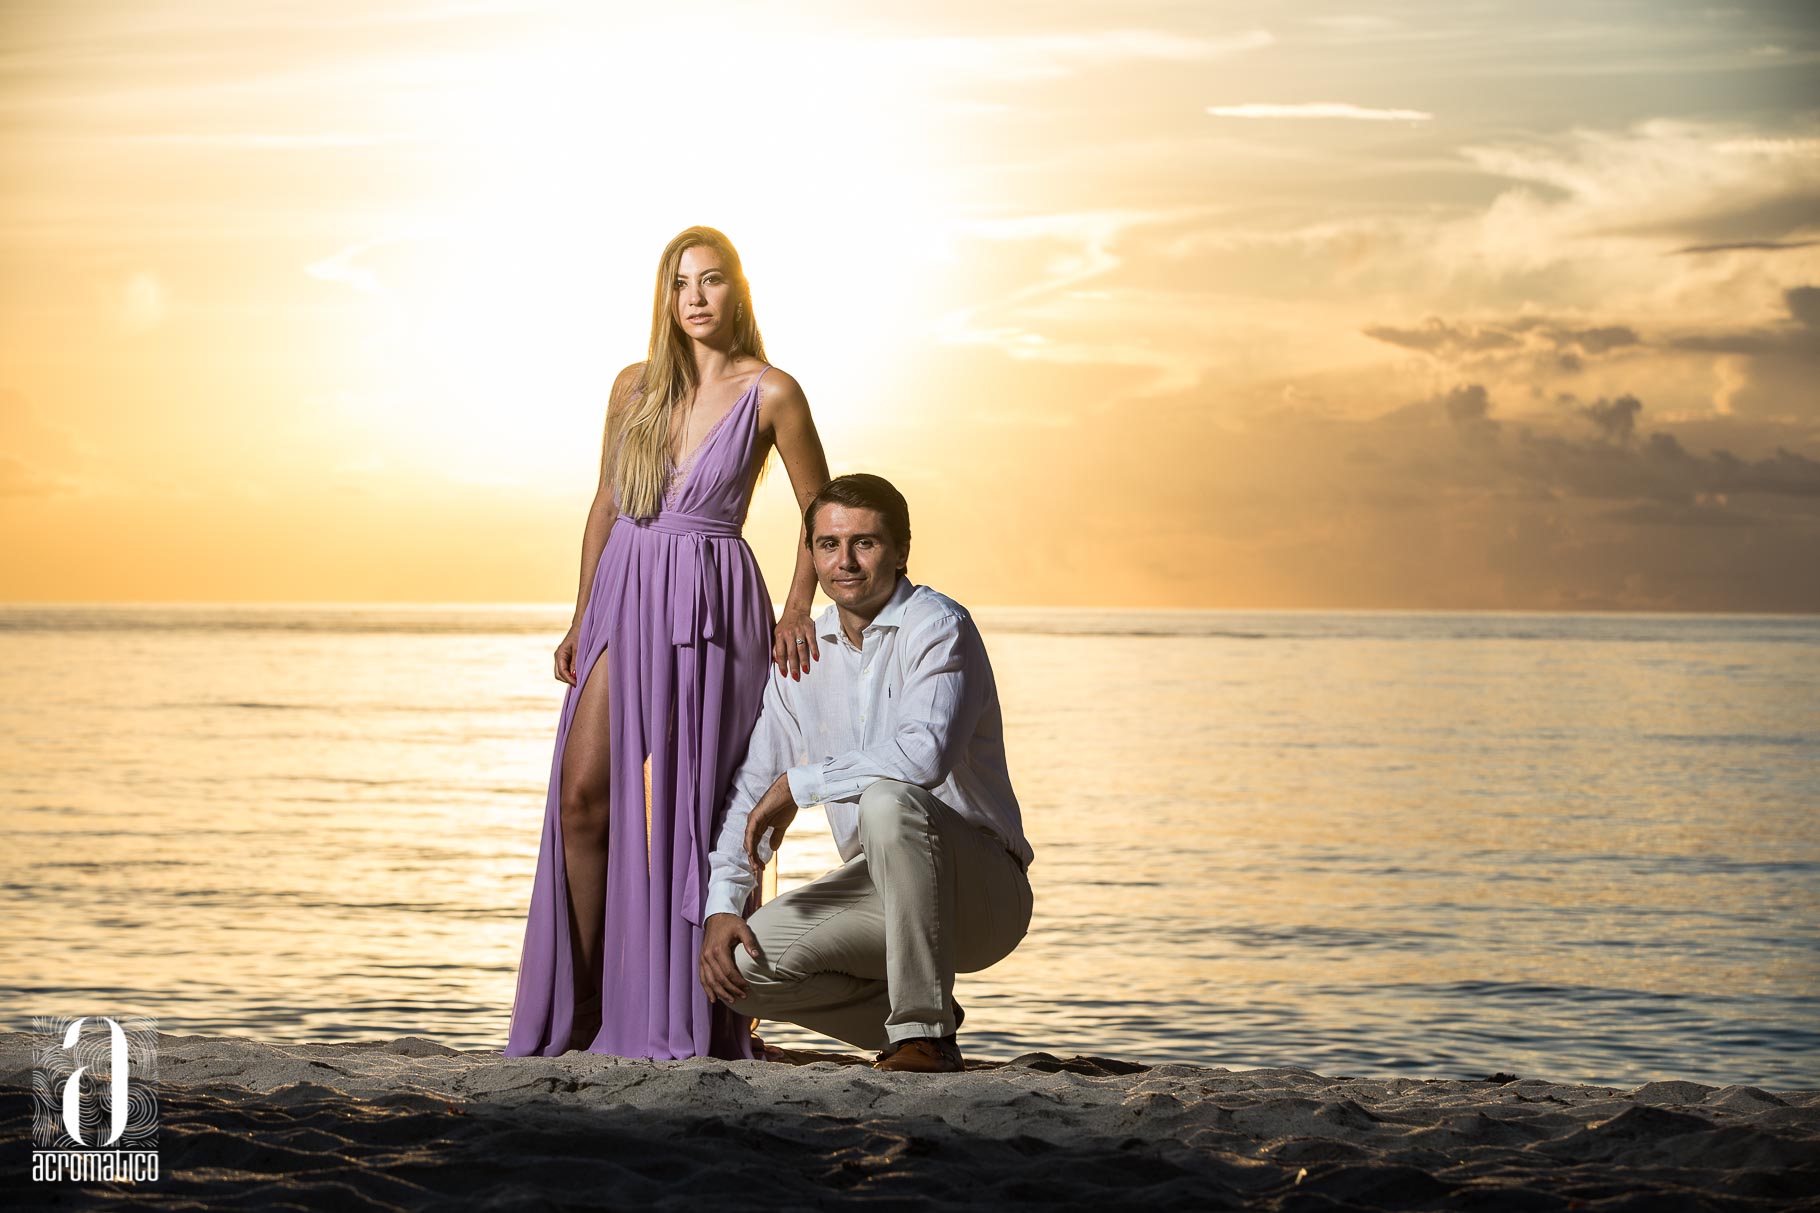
pixel 583 797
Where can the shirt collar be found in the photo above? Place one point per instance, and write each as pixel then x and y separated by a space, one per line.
pixel 891 615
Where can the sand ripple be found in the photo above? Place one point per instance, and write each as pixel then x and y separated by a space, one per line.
pixel 411 1124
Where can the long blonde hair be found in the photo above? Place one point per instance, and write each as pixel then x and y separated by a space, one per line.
pixel 642 467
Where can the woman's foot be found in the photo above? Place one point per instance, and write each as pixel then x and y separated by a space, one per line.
pixel 764 1052
pixel 587 1025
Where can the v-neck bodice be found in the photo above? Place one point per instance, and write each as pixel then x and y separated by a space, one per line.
pixel 714 472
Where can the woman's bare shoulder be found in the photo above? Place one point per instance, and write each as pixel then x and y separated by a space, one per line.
pixel 779 388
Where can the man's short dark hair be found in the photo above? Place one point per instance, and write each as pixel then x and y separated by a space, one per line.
pixel 863 491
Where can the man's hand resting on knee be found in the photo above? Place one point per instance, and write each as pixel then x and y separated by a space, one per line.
pixel 720 975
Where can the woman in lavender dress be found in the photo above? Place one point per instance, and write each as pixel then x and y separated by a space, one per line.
pixel 666 663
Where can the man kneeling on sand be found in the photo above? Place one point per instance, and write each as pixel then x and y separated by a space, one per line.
pixel 896 729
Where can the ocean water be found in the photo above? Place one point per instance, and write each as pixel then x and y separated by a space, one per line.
pixel 1581 847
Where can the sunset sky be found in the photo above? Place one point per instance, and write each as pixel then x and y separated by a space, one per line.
pixel 1424 305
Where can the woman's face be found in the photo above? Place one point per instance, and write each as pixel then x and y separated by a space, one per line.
pixel 703 294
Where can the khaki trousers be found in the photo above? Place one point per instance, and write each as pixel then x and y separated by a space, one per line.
pixel 868 952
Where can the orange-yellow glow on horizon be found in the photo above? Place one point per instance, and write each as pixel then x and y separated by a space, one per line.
pixel 1257 307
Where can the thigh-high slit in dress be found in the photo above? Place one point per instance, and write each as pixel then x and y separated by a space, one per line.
pixel 680 606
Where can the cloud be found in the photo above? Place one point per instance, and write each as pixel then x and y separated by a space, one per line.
pixel 1043 314
pixel 1238 492
pixel 1766 369
pixel 1798 338
pixel 1616 420
pixel 1046 56
pixel 1771 246
pixel 1706 183
pixel 1353 23
pixel 1564 344
pixel 1469 410
pixel 262 140
pixel 1439 337
pixel 1318 109
pixel 1619 463
pixel 344 266
pixel 1451 501
pixel 1600 339
pixel 1580 225
pixel 1658 468
pixel 1701 514
pixel 1288 288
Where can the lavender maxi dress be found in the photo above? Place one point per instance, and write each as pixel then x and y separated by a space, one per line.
pixel 681 607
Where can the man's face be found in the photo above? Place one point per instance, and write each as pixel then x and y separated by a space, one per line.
pixel 855 559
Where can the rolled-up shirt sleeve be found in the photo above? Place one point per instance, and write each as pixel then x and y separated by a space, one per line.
pixel 942 696
pixel 776 743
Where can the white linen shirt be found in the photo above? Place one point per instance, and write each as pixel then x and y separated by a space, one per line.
pixel 917 703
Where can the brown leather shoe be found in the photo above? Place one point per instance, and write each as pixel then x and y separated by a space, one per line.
pixel 923 1055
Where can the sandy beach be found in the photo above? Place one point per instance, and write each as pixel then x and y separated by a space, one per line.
pixel 412 1124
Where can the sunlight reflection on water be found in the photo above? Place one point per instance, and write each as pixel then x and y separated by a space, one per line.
pixel 1571 846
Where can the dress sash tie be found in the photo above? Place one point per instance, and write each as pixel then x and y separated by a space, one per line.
pixel 692 617
pixel 693 612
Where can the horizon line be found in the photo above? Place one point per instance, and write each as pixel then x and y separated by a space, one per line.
pixel 553 605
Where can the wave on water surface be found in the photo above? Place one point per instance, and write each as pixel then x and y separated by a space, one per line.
pixel 506 619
